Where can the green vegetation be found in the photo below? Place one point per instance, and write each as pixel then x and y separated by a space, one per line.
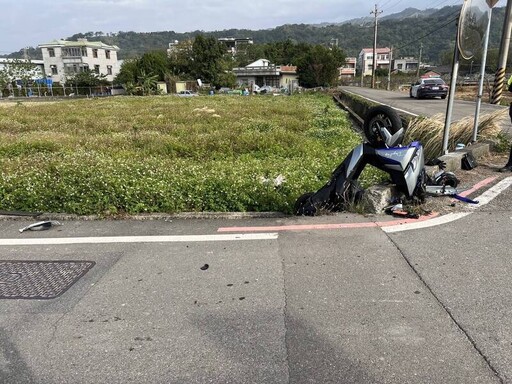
pixel 206 58
pixel 128 155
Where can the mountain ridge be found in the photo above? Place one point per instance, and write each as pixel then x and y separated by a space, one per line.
pixel 433 30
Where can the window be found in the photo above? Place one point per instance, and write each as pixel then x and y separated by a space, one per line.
pixel 97 68
pixel 74 52
pixel 53 68
pixel 95 53
pixel 51 52
pixel 109 69
pixel 107 54
pixel 71 69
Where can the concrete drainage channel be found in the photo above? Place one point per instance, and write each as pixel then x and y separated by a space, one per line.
pixel 357 106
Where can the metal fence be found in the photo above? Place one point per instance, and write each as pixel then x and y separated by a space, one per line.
pixel 41 90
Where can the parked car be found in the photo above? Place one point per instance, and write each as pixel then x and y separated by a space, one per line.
pixel 432 87
pixel 187 93
pixel 264 89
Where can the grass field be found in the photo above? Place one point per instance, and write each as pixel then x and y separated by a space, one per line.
pixel 127 155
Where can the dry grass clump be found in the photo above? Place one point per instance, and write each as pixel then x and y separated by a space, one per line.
pixel 430 131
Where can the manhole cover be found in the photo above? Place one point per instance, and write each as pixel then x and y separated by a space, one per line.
pixel 39 279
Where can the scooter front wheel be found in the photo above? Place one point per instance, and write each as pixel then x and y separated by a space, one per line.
pixel 377 118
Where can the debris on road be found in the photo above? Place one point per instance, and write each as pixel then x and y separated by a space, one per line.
pixel 40 226
pixel 205 267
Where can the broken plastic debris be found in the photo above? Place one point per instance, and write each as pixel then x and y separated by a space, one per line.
pixel 40 226
pixel 397 207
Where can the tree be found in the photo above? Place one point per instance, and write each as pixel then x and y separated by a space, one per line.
pixel 148 83
pixel 206 60
pixel 22 72
pixel 140 76
pixel 155 62
pixel 87 78
pixel 127 73
pixel 319 66
pixel 180 58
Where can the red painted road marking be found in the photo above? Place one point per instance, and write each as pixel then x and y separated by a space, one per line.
pixel 307 227
pixel 380 224
pixel 477 186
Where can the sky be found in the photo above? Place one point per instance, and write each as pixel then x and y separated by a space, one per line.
pixel 28 23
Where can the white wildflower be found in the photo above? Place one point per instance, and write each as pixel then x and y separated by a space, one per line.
pixel 280 179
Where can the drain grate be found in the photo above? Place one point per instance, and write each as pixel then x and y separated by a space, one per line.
pixel 39 279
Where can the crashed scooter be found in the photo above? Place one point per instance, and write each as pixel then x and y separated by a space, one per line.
pixel 382 149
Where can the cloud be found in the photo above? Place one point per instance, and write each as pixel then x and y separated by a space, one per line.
pixel 55 19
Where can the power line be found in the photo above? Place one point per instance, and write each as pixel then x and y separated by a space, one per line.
pixel 392 6
pixel 428 34
pixel 387 2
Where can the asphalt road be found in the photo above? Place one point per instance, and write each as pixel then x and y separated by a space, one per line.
pixel 332 299
pixel 423 107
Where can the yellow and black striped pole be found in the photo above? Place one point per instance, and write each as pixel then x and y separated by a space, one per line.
pixel 499 85
pixel 499 79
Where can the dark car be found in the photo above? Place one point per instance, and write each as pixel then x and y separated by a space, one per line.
pixel 433 87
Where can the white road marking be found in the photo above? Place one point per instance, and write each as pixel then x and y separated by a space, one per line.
pixel 483 199
pixel 138 239
pixel 491 193
pixel 426 224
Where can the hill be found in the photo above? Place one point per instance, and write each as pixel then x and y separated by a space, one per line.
pixel 433 29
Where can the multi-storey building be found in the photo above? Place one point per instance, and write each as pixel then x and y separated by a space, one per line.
pixel 349 69
pixel 365 59
pixel 63 59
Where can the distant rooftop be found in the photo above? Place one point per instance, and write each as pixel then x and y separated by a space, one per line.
pixel 79 43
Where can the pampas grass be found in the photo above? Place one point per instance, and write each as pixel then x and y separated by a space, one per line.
pixel 430 131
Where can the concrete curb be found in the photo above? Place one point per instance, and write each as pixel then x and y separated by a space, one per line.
pixel 453 160
pixel 147 217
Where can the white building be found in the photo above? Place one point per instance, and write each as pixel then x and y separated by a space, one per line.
pixel 405 64
pixel 64 59
pixel 262 72
pixel 235 44
pixel 365 59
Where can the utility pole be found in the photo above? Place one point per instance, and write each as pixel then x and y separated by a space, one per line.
pixel 499 77
pixel 376 12
pixel 419 61
pixel 389 69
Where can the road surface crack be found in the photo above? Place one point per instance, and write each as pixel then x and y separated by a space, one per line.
pixel 448 311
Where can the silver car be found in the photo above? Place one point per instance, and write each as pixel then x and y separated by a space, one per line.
pixel 187 93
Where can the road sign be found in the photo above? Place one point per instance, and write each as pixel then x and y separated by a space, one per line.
pixel 492 3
